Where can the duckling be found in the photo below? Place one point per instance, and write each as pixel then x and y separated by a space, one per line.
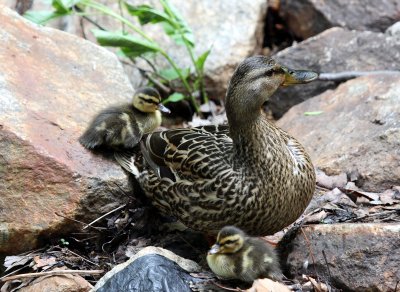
pixel 249 173
pixel 238 256
pixel 122 126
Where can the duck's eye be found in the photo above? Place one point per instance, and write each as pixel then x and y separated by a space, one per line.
pixel 269 73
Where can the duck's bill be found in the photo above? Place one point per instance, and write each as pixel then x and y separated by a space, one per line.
pixel 298 76
pixel 163 108
pixel 214 249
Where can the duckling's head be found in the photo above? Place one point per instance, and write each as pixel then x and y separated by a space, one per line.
pixel 148 100
pixel 229 240
pixel 254 81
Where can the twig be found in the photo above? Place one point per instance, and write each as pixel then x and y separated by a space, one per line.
pixel 86 260
pixel 52 273
pixel 105 215
pixel 310 250
pixel 346 75
pixel 83 223
pixel 121 12
pixel 79 10
pixel 327 266
pixel 227 288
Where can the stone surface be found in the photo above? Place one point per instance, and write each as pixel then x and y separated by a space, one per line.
pixel 334 50
pixel 51 84
pixel 310 17
pixel 64 283
pixel 394 30
pixel 149 271
pixel 358 131
pixel 360 257
pixel 233 29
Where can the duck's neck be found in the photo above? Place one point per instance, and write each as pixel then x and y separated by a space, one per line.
pixel 254 143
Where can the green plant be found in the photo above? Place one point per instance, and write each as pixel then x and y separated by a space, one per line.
pixel 136 43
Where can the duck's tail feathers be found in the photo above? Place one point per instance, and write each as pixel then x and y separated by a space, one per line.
pixel 127 162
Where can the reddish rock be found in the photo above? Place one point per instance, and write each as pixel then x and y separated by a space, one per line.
pixel 359 257
pixel 51 84
pixel 310 17
pixel 334 50
pixel 63 283
pixel 358 131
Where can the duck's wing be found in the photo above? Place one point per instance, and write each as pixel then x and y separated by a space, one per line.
pixel 189 153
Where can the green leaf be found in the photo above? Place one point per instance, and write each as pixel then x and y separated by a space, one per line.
pixel 171 74
pixel 201 60
pixel 42 17
pixel 175 97
pixel 130 45
pixel 177 28
pixel 64 6
pixel 316 113
pixel 147 14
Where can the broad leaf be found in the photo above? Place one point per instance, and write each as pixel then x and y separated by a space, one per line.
pixel 175 97
pixel 42 17
pixel 147 14
pixel 177 28
pixel 171 74
pixel 202 59
pixel 130 45
pixel 64 6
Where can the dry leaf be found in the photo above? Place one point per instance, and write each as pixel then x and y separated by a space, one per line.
pixel 267 285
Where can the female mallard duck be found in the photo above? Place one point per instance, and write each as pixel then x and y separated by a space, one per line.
pixel 122 126
pixel 250 174
pixel 237 256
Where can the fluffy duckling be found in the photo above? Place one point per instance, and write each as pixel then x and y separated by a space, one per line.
pixel 122 126
pixel 238 256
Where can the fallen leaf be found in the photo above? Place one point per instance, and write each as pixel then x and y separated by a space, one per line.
pixel 43 262
pixel 331 182
pixel 387 197
pixel 15 261
pixel 267 285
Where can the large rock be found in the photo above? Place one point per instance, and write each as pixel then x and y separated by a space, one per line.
pixel 233 29
pixel 51 84
pixel 334 50
pixel 350 257
pixel 358 131
pixel 310 17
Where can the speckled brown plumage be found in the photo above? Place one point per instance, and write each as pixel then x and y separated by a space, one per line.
pixel 250 174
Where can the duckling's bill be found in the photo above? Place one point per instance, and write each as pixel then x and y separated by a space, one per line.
pixel 164 109
pixel 214 249
pixel 298 76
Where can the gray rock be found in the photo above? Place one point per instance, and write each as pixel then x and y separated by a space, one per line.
pixel 358 131
pixel 233 29
pixel 151 269
pixel 310 17
pixel 394 30
pixel 359 257
pixel 334 50
pixel 51 85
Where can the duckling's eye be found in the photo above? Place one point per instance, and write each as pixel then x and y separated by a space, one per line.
pixel 229 242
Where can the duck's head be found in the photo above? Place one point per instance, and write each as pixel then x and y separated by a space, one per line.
pixel 255 80
pixel 148 100
pixel 229 240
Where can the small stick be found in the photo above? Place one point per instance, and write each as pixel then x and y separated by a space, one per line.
pixel 77 221
pixel 327 266
pixel 105 215
pixel 309 249
pixel 52 273
pixel 86 260
pixel 227 288
pixel 346 75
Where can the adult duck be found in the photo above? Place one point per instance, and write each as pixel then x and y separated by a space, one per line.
pixel 249 173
